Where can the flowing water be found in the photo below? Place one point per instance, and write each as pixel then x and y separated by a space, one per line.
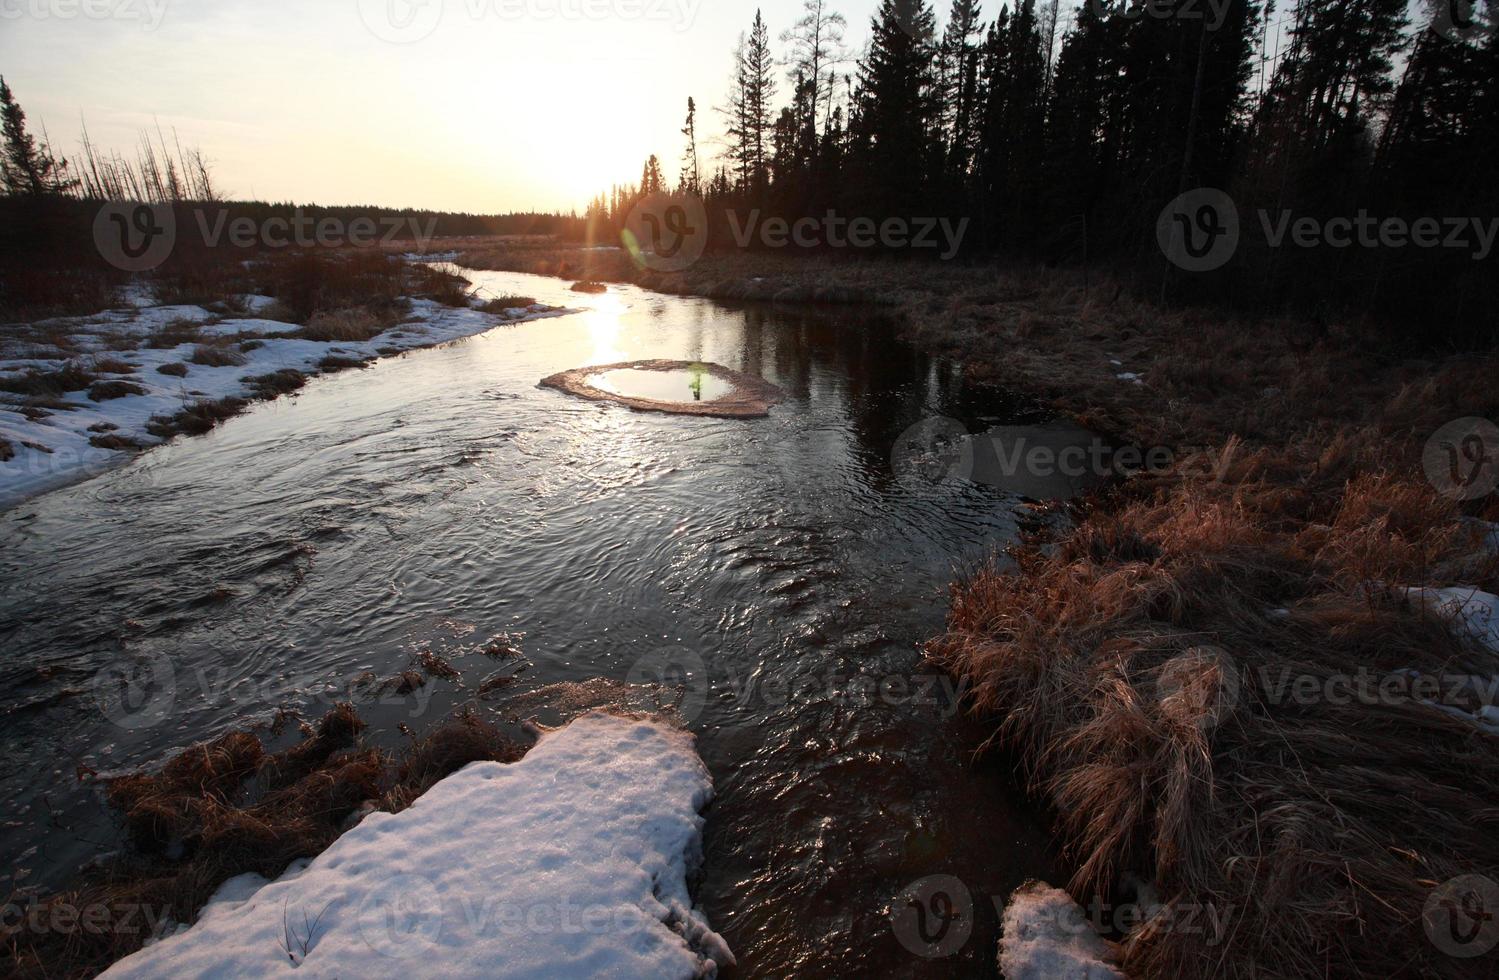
pixel 778 568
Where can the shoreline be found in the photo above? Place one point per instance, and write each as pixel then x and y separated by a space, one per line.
pixel 1297 534
pixel 182 369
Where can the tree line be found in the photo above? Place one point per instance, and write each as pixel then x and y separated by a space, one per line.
pixel 1063 142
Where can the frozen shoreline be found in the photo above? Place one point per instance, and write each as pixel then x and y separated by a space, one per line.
pixel 54 448
pixel 573 861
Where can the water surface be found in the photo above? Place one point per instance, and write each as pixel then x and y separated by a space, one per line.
pixel 777 567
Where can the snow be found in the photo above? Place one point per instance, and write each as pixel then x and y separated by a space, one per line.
pixel 1470 610
pixel 1131 377
pixel 572 862
pixel 1046 936
pixel 54 451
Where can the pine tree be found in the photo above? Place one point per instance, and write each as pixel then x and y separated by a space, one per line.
pixel 898 105
pixel 817 49
pixel 26 166
pixel 759 91
pixel 690 180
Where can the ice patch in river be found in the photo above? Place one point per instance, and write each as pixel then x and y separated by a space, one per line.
pixel 571 862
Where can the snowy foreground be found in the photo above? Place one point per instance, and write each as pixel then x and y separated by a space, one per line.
pixel 61 447
pixel 1048 937
pixel 572 862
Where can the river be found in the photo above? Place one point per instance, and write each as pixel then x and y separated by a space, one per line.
pixel 778 566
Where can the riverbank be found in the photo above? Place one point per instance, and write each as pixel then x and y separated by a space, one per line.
pixel 1236 633
pixel 81 395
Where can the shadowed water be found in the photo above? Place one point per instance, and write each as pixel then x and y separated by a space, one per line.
pixel 778 568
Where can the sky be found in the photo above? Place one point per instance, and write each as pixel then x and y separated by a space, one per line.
pixel 466 105
pixel 470 105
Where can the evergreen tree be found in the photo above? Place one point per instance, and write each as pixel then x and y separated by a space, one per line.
pixel 26 166
pixel 898 105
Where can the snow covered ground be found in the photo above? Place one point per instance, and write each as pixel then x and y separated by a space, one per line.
pixel 1047 936
pixel 56 445
pixel 572 862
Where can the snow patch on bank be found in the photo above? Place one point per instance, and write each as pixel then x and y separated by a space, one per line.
pixel 1047 937
pixel 572 862
pixel 1470 611
pixel 55 448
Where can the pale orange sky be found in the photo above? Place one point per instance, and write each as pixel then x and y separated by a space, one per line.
pixel 530 104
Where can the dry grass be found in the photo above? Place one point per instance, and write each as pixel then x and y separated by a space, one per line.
pixel 216 355
pixel 103 391
pixel 174 370
pixel 1136 665
pixel 229 807
pixel 342 326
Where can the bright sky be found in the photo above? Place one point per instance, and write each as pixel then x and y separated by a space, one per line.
pixel 505 105
pixel 465 105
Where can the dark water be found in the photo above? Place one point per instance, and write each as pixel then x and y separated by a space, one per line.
pixel 778 567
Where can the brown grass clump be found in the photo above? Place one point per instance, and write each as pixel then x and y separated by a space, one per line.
pixel 176 369
pixel 116 442
pixel 7 451
pixel 42 383
pixel 589 286
pixel 268 386
pixel 197 418
pixel 341 326
pixel 216 355
pixel 444 287
pixel 1144 667
pixel 101 391
pixel 228 807
pixel 175 334
pixel 339 362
